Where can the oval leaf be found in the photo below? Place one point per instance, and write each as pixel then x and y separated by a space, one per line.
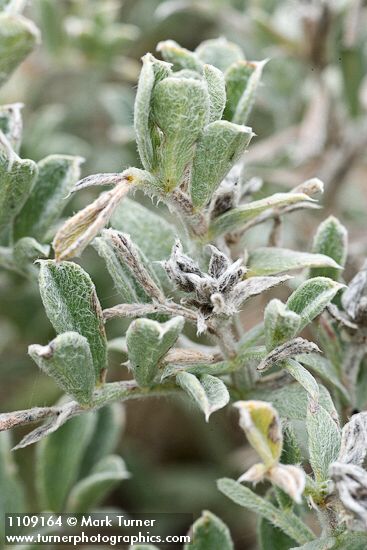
pixel 69 361
pixel 311 298
pixel 218 149
pixel 210 533
pixel 56 176
pixel 71 304
pixel 270 261
pixel 175 102
pixel 148 342
pixel 209 393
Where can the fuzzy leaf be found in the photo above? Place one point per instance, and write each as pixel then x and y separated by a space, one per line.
pixel 90 491
pixel 325 369
pixel 237 77
pixel 68 360
pixel 56 176
pixel 247 99
pixel 147 343
pixel 71 304
pixel 218 149
pixel 331 239
pixel 58 460
pixel 303 377
pixel 175 102
pixel 323 441
pixel 18 37
pixel 280 324
pixel 181 58
pixel 219 52
pixel 217 91
pixel 311 298
pixel 291 400
pixel 270 261
pixel 208 392
pixel 152 72
pixel 272 538
pixel 318 544
pixel 154 235
pixel 210 533
pixel 11 124
pixel 286 521
pixel 17 177
pixel 235 218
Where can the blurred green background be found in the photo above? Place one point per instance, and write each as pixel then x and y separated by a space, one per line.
pixel 310 119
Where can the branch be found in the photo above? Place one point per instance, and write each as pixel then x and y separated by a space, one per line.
pixel 114 391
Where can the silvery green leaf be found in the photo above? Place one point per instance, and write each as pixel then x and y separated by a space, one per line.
pixel 331 240
pixel 106 436
pixel 217 150
pixel 272 538
pixel 209 533
pixel 175 102
pixel 152 72
pixel 58 460
pixel 11 124
pixel 234 219
pixel 18 37
pixel 217 91
pixel 311 298
pixel 280 324
pixel 71 304
pixel 219 52
pixel 12 493
pixel 287 521
pixel 26 250
pixel 124 282
pixel 92 490
pixel 247 99
pixel 68 360
pixel 323 440
pixel 208 392
pixel 17 178
pixel 180 57
pixel 148 342
pixel 291 400
pixel 236 76
pixel 270 261
pixel 154 235
pixel 325 369
pixel 303 377
pixel 56 176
